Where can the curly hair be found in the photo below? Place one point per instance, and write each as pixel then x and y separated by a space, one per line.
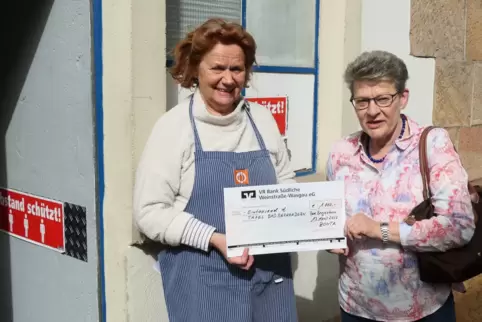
pixel 189 52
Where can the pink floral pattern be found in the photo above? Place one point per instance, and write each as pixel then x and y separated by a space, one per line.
pixel 382 282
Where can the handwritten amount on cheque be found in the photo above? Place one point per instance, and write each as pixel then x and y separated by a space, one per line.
pixel 325 218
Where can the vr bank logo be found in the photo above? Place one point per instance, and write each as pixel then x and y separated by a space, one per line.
pixel 249 194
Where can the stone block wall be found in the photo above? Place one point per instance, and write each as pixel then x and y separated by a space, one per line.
pixel 451 32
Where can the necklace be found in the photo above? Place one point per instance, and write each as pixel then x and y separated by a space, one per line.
pixel 399 137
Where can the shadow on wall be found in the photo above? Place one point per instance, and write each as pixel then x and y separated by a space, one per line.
pixel 324 305
pixel 21 27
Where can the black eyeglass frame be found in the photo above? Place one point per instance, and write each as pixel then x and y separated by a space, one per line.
pixel 374 99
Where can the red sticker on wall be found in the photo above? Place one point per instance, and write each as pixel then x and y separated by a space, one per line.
pixel 35 219
pixel 278 106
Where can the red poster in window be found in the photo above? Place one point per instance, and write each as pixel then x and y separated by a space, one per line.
pixel 34 219
pixel 278 107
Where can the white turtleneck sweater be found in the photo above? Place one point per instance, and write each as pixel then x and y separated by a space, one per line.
pixel 165 175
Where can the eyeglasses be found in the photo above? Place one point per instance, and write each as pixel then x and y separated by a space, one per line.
pixel 362 103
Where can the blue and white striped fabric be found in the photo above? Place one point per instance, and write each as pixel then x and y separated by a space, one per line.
pixel 203 287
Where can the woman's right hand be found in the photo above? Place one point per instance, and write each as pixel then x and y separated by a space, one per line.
pixel 244 261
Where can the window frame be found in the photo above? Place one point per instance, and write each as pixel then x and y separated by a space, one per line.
pixel 298 71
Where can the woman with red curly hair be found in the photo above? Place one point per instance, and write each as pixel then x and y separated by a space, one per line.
pixel 178 197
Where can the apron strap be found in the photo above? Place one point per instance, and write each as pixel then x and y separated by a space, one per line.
pixel 197 140
pixel 255 128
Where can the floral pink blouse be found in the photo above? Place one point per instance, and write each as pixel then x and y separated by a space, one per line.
pixel 382 282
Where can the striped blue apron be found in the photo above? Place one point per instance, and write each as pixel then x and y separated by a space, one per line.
pixel 203 287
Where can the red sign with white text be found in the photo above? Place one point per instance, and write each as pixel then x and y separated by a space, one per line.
pixel 34 219
pixel 278 106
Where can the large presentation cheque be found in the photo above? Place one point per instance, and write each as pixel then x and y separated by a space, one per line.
pixel 285 217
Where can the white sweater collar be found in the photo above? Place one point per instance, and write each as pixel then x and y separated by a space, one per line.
pixel 230 122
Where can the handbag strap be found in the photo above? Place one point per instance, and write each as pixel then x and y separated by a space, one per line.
pixel 424 169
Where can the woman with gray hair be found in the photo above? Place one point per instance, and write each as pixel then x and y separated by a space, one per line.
pixel 379 276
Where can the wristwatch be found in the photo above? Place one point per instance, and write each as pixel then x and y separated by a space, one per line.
pixel 384 230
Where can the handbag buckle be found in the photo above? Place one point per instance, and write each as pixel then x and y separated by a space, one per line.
pixel 410 220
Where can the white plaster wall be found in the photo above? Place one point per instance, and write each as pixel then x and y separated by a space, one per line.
pixel 117 106
pixel 144 288
pixel 351 50
pixel 338 44
pixel 386 26
pixel 148 73
pixel 134 89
